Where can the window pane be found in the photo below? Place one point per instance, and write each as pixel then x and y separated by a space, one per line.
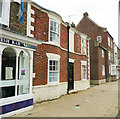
pixel 50 79
pixel 50 62
pixel 23 82
pixel 50 74
pixel 51 68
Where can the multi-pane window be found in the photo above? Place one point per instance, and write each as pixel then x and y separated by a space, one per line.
pixel 111 44
pixel 113 69
pixel 109 55
pixel 84 70
pixel 53 71
pixel 112 56
pixel 71 41
pixel 83 45
pixel 54 31
pixel 103 70
pixel 1 4
pixel 103 53
pixel 109 41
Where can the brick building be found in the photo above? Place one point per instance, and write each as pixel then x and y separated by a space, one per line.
pixel 118 65
pixel 34 57
pixel 101 51
pixel 51 56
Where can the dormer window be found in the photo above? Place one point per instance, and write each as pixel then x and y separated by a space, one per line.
pixel 54 32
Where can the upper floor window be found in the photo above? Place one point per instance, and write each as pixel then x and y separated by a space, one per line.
pixel 83 45
pixel 4 12
pixel 109 41
pixel 54 32
pixel 102 53
pixel 111 44
pixel 109 55
pixel 112 56
pixel 71 41
pixel 99 39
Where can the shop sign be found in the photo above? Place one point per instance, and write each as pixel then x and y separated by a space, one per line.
pixel 12 42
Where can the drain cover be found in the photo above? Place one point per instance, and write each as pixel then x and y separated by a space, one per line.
pixel 77 106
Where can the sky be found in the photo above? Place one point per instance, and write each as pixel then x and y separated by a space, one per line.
pixel 102 12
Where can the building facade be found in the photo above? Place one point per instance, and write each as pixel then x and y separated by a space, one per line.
pixel 104 40
pixel 40 59
pixel 51 57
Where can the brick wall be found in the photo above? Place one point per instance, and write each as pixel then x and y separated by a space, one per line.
pixel 41 64
pixel 14 21
pixel 40 24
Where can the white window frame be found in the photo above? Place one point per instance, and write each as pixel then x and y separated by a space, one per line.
pixel 113 69
pixel 85 64
pixel 5 13
pixel 56 42
pixel 108 41
pixel 55 57
pixel 109 55
pixel 71 41
pixel 111 44
pixel 83 46
pixel 99 39
pixel 102 53
pixel 103 70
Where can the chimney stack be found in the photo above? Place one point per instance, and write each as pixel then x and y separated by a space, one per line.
pixel 85 14
pixel 73 25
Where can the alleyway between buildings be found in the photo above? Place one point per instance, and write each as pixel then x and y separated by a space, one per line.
pixel 98 101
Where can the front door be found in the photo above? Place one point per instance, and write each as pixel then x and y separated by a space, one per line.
pixel 71 76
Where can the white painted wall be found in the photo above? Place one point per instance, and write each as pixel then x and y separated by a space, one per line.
pixel 46 92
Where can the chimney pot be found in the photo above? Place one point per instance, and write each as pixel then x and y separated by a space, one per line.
pixel 85 14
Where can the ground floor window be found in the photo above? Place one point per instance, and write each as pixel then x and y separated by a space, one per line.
pixel 113 69
pixel 103 70
pixel 53 68
pixel 15 73
pixel 84 70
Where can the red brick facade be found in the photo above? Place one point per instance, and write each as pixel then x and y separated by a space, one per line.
pixel 86 25
pixel 40 58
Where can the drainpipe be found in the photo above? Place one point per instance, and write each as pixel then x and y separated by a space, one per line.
pixel 68 27
pixel 108 62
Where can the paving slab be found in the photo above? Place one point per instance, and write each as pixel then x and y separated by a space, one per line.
pixel 98 101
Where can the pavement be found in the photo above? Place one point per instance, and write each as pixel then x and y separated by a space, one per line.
pixel 98 101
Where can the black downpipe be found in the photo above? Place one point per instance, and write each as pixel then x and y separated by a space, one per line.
pixel 68 88
pixel 107 62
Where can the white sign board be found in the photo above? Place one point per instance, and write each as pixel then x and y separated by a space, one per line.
pixel 8 72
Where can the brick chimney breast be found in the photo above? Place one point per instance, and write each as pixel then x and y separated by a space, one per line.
pixel 85 14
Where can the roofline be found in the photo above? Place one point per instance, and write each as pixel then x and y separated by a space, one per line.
pixel 46 9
